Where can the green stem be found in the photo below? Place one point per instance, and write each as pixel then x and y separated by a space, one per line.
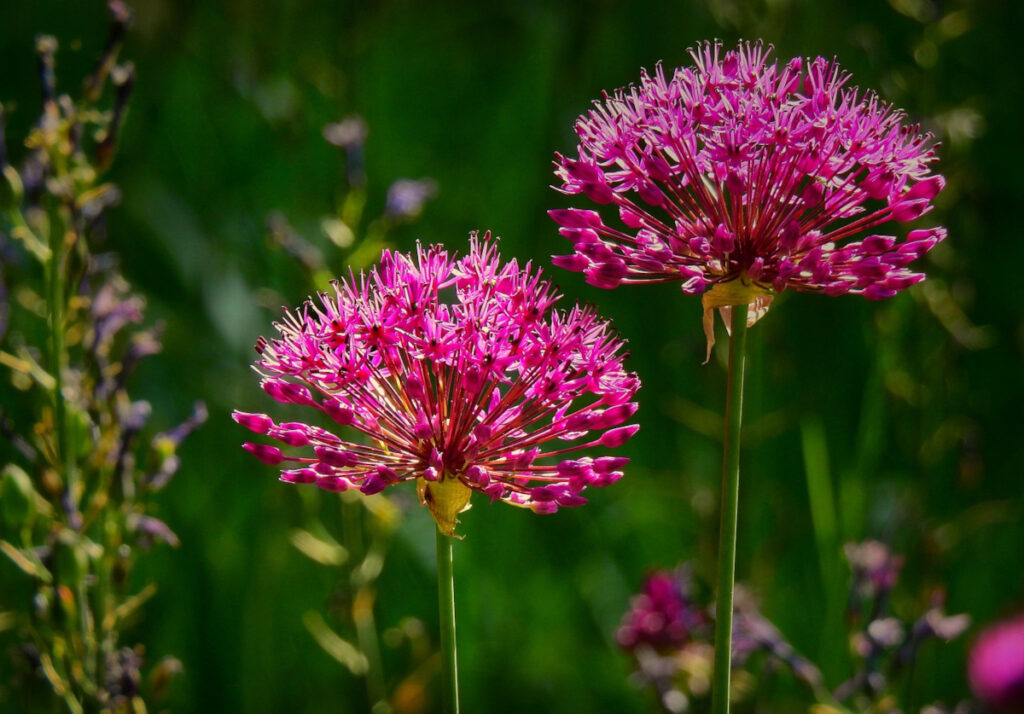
pixel 369 645
pixel 55 305
pixel 354 521
pixel 446 599
pixel 730 512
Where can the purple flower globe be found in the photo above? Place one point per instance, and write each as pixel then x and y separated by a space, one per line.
pixel 741 178
pixel 459 374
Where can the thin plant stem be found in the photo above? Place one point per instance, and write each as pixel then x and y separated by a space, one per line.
pixel 354 521
pixel 730 512
pixel 55 305
pixel 446 600
pixel 369 645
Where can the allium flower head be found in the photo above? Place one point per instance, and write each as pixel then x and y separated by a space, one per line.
pixel 461 376
pixel 996 666
pixel 742 178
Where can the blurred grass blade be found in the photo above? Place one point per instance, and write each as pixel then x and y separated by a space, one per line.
pixel 826 535
pixel 8 621
pixel 334 645
pixel 125 609
pixel 25 563
pixel 323 550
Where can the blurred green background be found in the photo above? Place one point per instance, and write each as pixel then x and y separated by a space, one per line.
pixel 918 398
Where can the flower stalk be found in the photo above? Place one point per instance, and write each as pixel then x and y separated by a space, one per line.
pixel 730 512
pixel 446 603
pixel 74 525
pixel 55 309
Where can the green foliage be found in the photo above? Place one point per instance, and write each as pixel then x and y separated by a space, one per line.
pixel 918 398
pixel 79 476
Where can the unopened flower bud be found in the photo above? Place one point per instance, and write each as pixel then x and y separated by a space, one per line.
pixel 270 455
pixel 619 436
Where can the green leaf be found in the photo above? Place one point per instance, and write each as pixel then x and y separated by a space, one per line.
pixel 333 644
pixel 323 550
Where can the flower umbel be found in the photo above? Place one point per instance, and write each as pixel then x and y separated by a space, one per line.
pixel 737 169
pixel 462 376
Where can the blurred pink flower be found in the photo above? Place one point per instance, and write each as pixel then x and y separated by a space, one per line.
pixel 663 616
pixel 463 377
pixel 996 666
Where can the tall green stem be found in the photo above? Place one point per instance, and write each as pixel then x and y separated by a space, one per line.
pixel 730 512
pixel 446 599
pixel 64 459
pixel 55 303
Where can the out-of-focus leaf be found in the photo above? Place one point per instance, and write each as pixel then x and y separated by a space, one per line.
pixel 36 247
pixel 384 509
pixel 334 645
pixel 125 609
pixel 8 620
pixel 321 549
pixel 23 363
pixel 371 567
pixel 60 686
pixel 25 563
pixel 338 231
pixel 17 496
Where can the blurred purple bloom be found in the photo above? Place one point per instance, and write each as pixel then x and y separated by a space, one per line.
pixel 349 133
pixel 113 307
pixel 996 666
pixel 195 420
pixel 876 569
pixel 406 197
pixel 152 529
pixel 122 676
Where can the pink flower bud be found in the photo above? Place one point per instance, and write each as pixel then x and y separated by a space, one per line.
pixel 300 476
pixel 575 218
pixel 258 423
pixel 270 455
pixel 618 436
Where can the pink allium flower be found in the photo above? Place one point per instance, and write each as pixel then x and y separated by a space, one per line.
pixel 738 169
pixel 996 666
pixel 462 377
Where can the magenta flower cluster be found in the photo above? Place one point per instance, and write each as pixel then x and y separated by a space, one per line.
pixel 662 616
pixel 458 372
pixel 996 666
pixel 739 168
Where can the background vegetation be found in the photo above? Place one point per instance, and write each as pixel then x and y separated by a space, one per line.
pixel 916 401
